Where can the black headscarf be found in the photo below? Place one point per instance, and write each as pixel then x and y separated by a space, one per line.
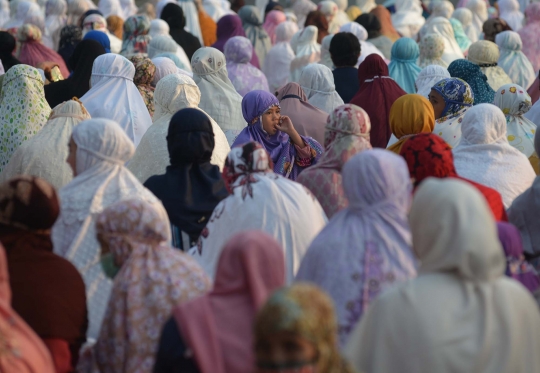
pixel 371 23
pixel 79 82
pixel 191 187
pixel 7 46
pixel 70 36
pixel 174 16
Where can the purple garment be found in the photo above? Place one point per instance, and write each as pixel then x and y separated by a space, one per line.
pixel 227 27
pixel 243 75
pixel 516 266
pixel 366 248
pixel 281 150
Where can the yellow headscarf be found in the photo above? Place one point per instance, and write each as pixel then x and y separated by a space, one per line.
pixel 410 115
pixel 353 12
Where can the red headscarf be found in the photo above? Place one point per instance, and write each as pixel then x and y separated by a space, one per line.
pixel 376 96
pixel 428 155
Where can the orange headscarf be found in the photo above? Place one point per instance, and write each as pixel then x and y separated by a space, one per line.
pixel 387 29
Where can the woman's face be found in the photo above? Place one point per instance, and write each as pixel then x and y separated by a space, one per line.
pixel 285 352
pixel 437 102
pixel 270 120
pixel 72 156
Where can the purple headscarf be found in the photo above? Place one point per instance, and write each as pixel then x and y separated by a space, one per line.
pixel 516 266
pixel 281 150
pixel 227 27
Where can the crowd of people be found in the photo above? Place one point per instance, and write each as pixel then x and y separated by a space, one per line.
pixel 208 186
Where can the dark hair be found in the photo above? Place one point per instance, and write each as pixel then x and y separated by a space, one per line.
pixel 344 49
pixel 371 23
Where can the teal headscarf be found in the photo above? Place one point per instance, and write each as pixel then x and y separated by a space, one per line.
pixel 459 34
pixel 403 68
pixel 471 73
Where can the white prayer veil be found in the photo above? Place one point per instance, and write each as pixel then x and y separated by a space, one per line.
pixel 278 60
pixel 428 77
pixel 317 81
pixel 513 60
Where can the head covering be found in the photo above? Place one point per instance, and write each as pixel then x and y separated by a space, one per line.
pixel 23 109
pixel 485 156
pixel 227 27
pixel 191 15
pixel 7 48
pixel 371 23
pixel 24 10
pixel 318 19
pixel 461 267
pixel 428 155
pixel 158 27
pixel 217 9
pixel 110 7
pixel 443 27
pixel 143 78
pixel 441 8
pixel 153 278
pixel 76 9
pixel 458 97
pixel 408 19
pixel 32 52
pixel 101 38
pixel 403 68
pixel 307 51
pixel 326 58
pixel 353 12
pixel 347 133
pixel 218 326
pixel 465 16
pixel 273 19
pixel 366 48
pixel 513 61
pixel 477 80
pixel 251 21
pixel 277 65
pixel 78 83
pixel 101 180
pixel 302 311
pixel 114 96
pixel 55 12
pixel 165 44
pixel 164 66
pixel 70 36
pixel 531 44
pixel 459 34
pixel 115 25
pixel 173 93
pixel 301 9
pixel 317 82
pixel 135 36
pixel 244 76
pixel 494 26
pixel 485 54
pixel 410 115
pixel 376 95
pixel 269 202
pixel 509 11
pixel 432 47
pixel 480 14
pixel 218 95
pixel 174 15
pixel 4 12
pixel 330 9
pixel 96 22
pixel 45 154
pixel 385 18
pixel 428 77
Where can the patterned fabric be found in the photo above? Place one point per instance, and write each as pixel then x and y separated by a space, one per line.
pixel 23 109
pixel 305 312
pixel 244 76
pixel 458 97
pixel 347 133
pixel 529 35
pixel 144 75
pixel 431 50
pixel 135 37
pixel 69 37
pixel 403 68
pixel 476 79
pixel 153 278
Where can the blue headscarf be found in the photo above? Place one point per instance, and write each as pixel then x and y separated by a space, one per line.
pixel 461 38
pixel 100 37
pixel 457 95
pixel 477 80
pixel 403 68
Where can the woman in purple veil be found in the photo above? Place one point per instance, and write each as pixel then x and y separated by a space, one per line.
pixel 290 152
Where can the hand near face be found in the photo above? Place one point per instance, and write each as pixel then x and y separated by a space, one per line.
pixel 285 125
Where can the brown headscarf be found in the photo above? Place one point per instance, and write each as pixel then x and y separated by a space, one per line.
pixel 318 19
pixel 115 25
pixel 494 26
pixel 144 75
pixel 387 29
pixel 48 291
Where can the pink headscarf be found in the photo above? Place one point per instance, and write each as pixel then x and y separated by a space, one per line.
pixel 272 21
pixel 218 326
pixel 33 53
pixel 529 35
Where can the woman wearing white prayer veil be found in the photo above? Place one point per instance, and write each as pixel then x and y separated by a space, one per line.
pixel 443 27
pixel 114 95
pixel 440 8
pixel 307 51
pixel 165 44
pixel 110 8
pixel 480 14
pixel 4 12
pixel 465 16
pixel 509 11
pixel 461 314
pixel 366 48
pixel 44 155
pixel 158 27
pixel 56 18
pixel 219 99
pixel 513 60
pixel 98 150
pixel 173 93
pixel 277 65
pixel 317 81
pixel 24 10
pixel 485 156
pixel 407 19
pixel 428 77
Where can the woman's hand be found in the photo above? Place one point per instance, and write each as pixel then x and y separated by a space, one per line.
pixel 285 125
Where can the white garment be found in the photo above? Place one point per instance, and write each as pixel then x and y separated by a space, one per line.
pixel 25 9
pixel 55 20
pixel 326 58
pixel 44 155
pixel 366 6
pixel 317 81
pixel 101 180
pixel 173 93
pixel 461 314
pixel 513 60
pixel 443 27
pixel 428 77
pixel 275 205
pixel 485 156
pixel 407 19
pixel 330 9
pixel 110 8
pixel 534 114
pixel 218 97
pixel 192 19
pixel 480 14
pixel 129 7
pixel 161 4
pixel 509 11
pixel 301 8
pixel 341 16
pixel 76 8
pixel 4 12
pixel 158 27
pixel 366 48
pixel 166 44
pixel 2 71
pixel 485 53
pixel 217 8
pixel 164 66
pixel 277 65
pixel 307 51
pixel 113 95
pixel 465 16
pixel 440 8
